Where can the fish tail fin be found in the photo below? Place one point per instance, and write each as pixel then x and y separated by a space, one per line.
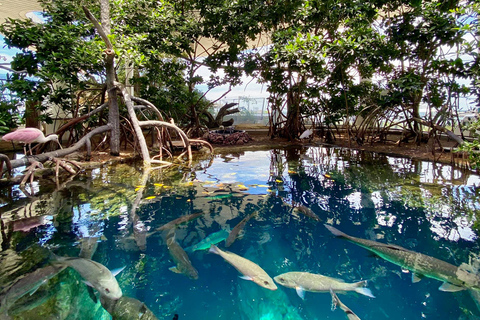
pixel 3 305
pixel 360 288
pixel 214 249
pixel 335 231
pixel 55 259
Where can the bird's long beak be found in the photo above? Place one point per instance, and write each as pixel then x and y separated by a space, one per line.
pixel 59 144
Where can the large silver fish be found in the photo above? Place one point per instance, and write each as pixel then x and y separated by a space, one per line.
pixel 95 275
pixel 305 281
pixel 239 227
pixel 348 312
pixel 27 284
pixel 250 270
pixel 183 263
pixel 454 278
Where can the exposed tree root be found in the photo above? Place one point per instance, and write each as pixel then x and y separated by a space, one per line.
pixel 30 172
pixel 4 159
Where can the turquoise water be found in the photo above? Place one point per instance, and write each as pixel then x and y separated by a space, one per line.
pixel 421 206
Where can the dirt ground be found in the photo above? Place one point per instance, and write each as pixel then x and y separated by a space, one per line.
pixel 438 153
pixel 261 141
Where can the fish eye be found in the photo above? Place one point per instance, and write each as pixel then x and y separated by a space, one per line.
pixel 107 290
pixel 266 283
pixel 281 280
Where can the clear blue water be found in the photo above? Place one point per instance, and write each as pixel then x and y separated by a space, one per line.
pixel 421 206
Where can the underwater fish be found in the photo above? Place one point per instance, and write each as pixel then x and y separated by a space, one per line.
pixel 29 223
pixel 454 278
pixel 236 230
pixel 250 270
pixel 305 281
pixel 127 308
pixel 306 212
pixel 336 302
pixel 220 196
pixel 28 284
pixel 178 221
pixel 95 275
pixel 88 246
pixel 205 243
pixel 179 256
pixel 28 303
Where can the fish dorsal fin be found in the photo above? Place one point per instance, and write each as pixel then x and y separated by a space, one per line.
pixel 448 287
pixel 38 286
pixel 87 283
pixel 390 246
pixel 117 271
pixel 416 277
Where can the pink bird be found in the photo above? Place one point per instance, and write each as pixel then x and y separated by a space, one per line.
pixel 29 136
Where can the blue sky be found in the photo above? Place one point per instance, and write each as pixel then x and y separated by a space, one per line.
pixel 5 53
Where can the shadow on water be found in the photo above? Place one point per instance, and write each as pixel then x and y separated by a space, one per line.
pixel 274 204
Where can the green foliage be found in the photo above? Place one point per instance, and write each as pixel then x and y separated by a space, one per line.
pixel 53 56
pixel 472 148
pixel 8 116
pixel 318 51
pixel 65 55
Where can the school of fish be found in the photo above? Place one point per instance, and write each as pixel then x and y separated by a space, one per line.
pixel 103 280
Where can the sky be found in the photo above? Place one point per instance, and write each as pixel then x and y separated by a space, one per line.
pixel 7 54
pixel 249 88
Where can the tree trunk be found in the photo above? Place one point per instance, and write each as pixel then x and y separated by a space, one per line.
pixel 113 111
pixel 136 126
pixel 293 124
pixel 31 114
pixel 417 128
pixel 223 112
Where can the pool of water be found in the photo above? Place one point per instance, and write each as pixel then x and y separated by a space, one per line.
pixel 111 213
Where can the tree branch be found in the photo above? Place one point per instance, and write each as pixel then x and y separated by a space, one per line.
pixel 441 129
pixel 62 152
pixel 99 28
